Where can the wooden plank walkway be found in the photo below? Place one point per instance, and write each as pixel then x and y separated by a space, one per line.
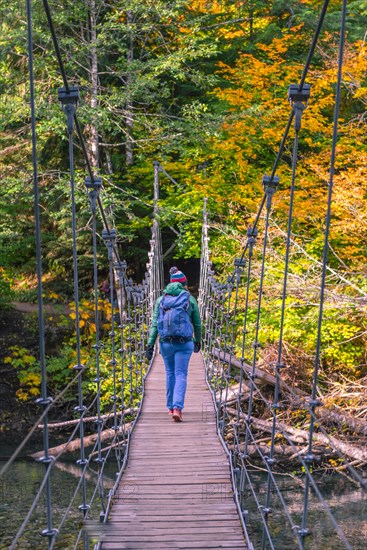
pixel 176 491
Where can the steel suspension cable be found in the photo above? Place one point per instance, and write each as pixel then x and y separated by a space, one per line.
pixel 298 108
pixel 121 274
pixel 69 104
pixel 45 400
pixel 314 402
pixel 238 273
pixel 309 477
pixel 251 239
pixel 69 100
pixel 270 190
pixel 93 191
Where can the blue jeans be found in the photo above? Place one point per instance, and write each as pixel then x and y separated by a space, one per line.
pixel 176 359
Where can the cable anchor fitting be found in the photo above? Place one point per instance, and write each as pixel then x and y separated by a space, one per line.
pixel 298 98
pixel 239 265
pixel 69 101
pixel 109 238
pixel 252 233
pixel 93 187
pixel 270 185
pixel 50 533
pixel 120 268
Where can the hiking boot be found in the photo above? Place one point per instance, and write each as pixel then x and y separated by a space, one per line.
pixel 177 415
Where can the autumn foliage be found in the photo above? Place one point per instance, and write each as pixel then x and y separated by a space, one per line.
pixel 202 87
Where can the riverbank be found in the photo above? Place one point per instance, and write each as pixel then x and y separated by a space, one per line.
pixel 19 329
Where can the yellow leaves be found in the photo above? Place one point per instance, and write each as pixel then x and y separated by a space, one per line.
pixel 86 318
pixel 32 378
pixel 8 360
pixel 21 395
pixel 30 382
pixel 54 296
pixel 361 93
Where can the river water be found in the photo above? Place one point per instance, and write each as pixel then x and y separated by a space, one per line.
pixel 347 502
pixel 18 489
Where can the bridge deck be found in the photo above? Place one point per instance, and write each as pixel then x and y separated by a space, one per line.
pixel 176 491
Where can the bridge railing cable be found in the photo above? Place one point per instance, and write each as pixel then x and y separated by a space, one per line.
pixel 130 315
pixel 225 311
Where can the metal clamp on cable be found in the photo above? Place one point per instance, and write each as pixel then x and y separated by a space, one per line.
pixel 69 100
pixel 270 185
pixel 120 268
pixel 239 265
pixel 298 98
pixel 109 238
pixel 93 186
pixel 252 233
pixel 158 165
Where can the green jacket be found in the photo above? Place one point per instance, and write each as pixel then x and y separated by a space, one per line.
pixel 175 289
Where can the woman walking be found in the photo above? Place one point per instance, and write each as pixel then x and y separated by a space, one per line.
pixel 176 319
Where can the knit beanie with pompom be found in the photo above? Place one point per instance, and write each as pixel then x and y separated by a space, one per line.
pixel 177 276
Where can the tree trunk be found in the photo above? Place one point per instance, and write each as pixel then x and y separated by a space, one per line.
pixel 93 129
pixel 129 103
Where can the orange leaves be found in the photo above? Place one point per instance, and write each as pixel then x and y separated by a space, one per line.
pixel 257 113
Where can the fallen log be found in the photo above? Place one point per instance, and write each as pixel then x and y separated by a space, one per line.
pixel 233 392
pixel 262 376
pixel 68 423
pixel 325 414
pixel 285 451
pixel 74 445
pixel 346 449
pixel 332 416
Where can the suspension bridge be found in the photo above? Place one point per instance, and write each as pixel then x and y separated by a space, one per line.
pixel 189 484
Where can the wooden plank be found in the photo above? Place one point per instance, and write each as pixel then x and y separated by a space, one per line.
pixel 155 521
pixel 196 539
pixel 187 545
pixel 146 510
pixel 169 533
